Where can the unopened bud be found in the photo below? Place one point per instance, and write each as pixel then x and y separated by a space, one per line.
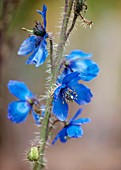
pixel 33 154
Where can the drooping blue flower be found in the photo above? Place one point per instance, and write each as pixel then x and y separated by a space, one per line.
pixel 36 43
pixel 69 90
pixel 19 110
pixel 72 129
pixel 80 61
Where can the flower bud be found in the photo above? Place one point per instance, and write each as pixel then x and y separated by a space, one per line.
pixel 33 154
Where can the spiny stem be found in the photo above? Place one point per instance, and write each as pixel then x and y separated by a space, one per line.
pixel 44 129
pixel 72 26
pixel 36 166
pixel 39 165
pixel 78 7
pixel 62 41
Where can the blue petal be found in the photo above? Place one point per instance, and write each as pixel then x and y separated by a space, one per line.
pixel 28 45
pixel 43 13
pixel 36 117
pixel 88 69
pixel 70 78
pixel 39 56
pixel 74 131
pixel 30 59
pixel 18 111
pixel 60 108
pixel 76 115
pixel 78 54
pixel 83 93
pixel 61 76
pixel 57 92
pixel 81 121
pixel 19 89
pixel 63 135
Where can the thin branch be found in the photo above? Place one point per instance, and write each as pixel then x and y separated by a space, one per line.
pixel 72 26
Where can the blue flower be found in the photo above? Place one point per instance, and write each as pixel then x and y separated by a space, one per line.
pixel 19 110
pixel 72 129
pixel 80 61
pixel 69 90
pixel 36 43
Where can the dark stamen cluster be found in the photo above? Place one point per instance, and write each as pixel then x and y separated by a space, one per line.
pixel 70 95
pixel 38 29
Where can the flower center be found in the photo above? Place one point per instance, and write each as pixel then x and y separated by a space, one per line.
pixel 70 95
pixel 31 101
pixel 39 30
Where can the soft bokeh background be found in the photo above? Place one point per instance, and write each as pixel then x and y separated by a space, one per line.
pixel 100 147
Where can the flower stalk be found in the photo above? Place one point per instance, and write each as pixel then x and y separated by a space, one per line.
pixel 39 165
pixel 62 40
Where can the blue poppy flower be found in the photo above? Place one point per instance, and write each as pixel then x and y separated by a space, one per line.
pixel 19 110
pixel 36 43
pixel 72 129
pixel 69 90
pixel 80 61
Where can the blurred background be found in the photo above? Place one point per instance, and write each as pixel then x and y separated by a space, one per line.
pixel 100 147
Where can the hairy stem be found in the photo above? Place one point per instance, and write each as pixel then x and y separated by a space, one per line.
pixel 62 41
pixel 72 26
pixel 39 165
pixel 78 7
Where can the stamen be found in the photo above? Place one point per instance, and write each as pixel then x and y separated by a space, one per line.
pixel 70 95
pixel 25 29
